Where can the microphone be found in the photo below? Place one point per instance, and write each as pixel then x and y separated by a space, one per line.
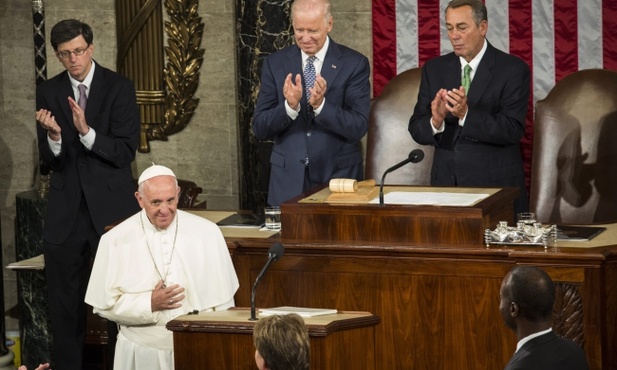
pixel 415 156
pixel 275 252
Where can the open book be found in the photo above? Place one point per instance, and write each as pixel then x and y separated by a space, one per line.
pixel 242 220
pixel 578 233
pixel 302 311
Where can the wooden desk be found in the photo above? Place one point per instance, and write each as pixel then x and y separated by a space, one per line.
pixel 225 338
pixel 311 218
pixel 439 305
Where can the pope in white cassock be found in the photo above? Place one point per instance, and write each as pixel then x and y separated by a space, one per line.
pixel 158 264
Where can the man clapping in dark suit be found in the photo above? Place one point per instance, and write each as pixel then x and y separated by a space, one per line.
pixel 475 119
pixel 88 132
pixel 313 102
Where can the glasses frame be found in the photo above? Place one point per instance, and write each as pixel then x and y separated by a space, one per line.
pixel 67 54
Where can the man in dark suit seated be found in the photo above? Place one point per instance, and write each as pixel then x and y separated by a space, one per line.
pixel 527 295
pixel 472 107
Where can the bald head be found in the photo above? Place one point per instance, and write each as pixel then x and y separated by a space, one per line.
pixel 533 290
pixel 526 300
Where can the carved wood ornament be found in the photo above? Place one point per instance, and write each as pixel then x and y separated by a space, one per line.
pixel 164 94
pixel 568 312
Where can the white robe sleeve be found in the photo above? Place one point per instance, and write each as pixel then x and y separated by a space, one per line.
pixel 120 287
pixel 124 275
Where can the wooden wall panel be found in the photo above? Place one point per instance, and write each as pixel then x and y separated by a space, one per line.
pixel 439 307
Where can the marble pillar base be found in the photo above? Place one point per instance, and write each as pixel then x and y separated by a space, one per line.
pixel 7 362
pixel 263 27
pixel 31 285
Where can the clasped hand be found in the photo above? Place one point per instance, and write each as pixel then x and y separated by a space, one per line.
pixel 293 89
pixel 48 122
pixel 166 298
pixel 453 101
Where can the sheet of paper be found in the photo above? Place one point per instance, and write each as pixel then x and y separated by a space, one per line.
pixel 431 198
pixel 302 311
pixel 34 263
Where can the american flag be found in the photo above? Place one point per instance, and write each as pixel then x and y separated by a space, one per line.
pixel 554 37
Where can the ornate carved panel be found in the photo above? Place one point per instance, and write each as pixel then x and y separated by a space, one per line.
pixel 568 312
pixel 164 94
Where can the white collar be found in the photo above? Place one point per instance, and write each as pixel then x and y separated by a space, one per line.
pixel 530 337
pixel 321 54
pixel 476 60
pixel 87 81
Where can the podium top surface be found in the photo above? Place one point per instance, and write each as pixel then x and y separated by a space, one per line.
pixel 325 195
pixel 310 218
pixel 236 321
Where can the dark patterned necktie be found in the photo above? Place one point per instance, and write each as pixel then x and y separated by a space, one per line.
pixel 83 98
pixel 309 76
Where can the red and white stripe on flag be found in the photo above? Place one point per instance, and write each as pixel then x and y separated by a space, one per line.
pixel 554 37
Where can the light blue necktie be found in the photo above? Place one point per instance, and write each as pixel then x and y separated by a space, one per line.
pixel 309 76
pixel 466 82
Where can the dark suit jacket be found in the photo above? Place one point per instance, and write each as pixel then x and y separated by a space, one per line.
pixel 332 139
pixel 549 352
pixel 102 174
pixel 486 150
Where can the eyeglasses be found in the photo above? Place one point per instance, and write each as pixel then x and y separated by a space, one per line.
pixel 76 52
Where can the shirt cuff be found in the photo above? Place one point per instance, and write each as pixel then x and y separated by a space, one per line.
pixel 318 110
pixel 55 146
pixel 292 113
pixel 461 122
pixel 439 130
pixel 88 139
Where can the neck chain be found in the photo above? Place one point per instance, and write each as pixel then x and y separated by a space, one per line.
pixel 173 248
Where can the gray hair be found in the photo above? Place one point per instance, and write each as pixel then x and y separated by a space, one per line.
pixel 311 5
pixel 478 9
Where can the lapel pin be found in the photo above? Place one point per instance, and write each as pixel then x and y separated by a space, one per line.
pixel 333 66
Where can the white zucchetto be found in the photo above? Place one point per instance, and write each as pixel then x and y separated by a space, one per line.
pixel 154 171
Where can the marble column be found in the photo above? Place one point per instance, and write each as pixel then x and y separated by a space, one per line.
pixel 6 356
pixel 35 335
pixel 40 70
pixel 263 27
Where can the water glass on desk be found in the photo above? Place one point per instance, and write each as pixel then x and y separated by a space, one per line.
pixel 273 217
pixel 528 218
pixel 526 221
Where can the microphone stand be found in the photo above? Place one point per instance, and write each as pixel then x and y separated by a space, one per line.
pixel 415 156
pixel 263 270
pixel 276 251
pixel 395 167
